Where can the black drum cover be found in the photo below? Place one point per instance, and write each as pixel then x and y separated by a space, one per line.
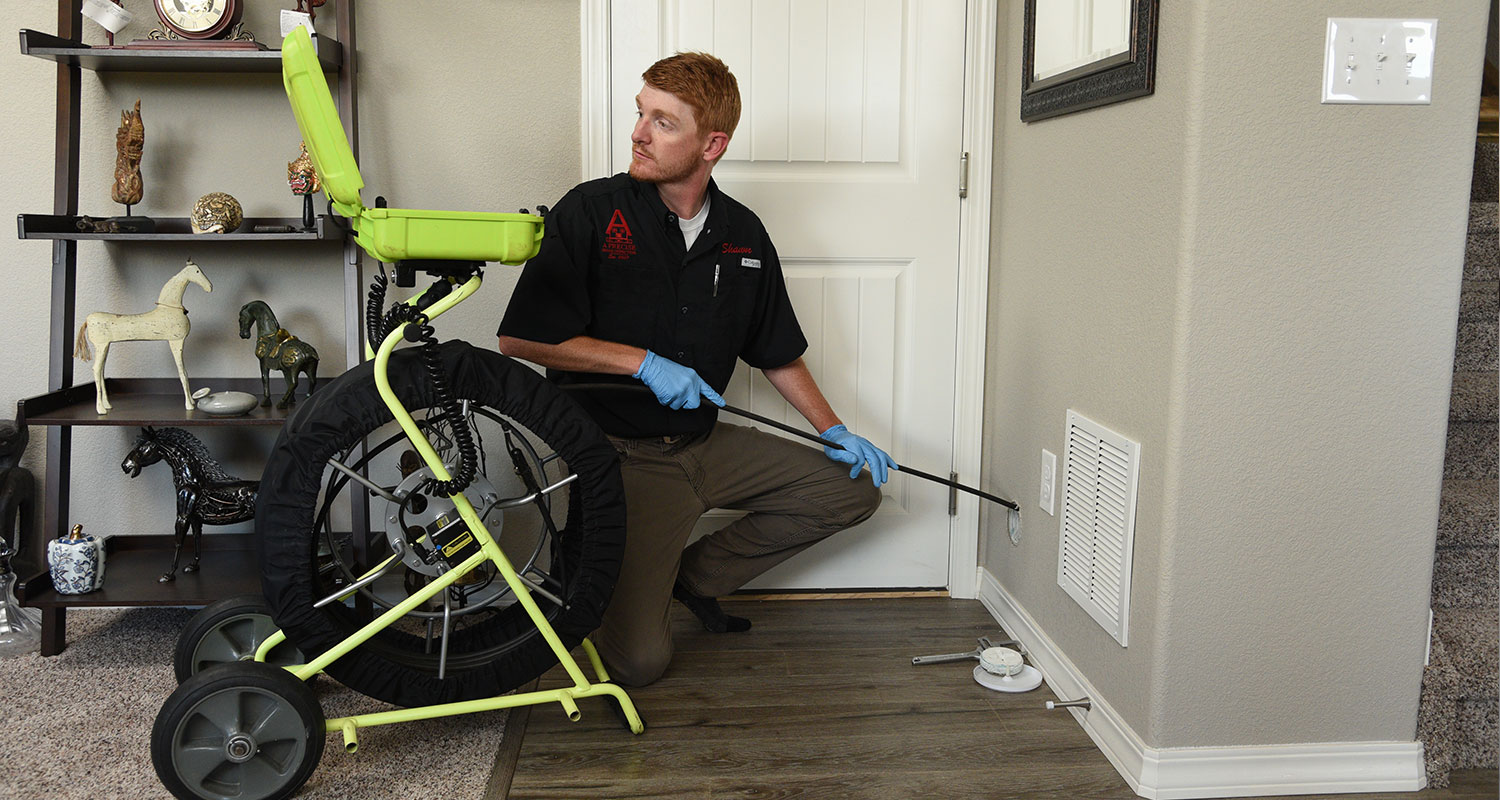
pixel 503 650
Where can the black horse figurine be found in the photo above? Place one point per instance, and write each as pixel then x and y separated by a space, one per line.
pixel 278 349
pixel 205 492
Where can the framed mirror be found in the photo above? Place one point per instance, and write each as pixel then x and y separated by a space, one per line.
pixel 1078 54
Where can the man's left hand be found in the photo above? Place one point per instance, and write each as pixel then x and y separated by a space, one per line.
pixel 857 451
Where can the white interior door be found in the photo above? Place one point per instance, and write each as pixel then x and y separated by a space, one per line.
pixel 848 149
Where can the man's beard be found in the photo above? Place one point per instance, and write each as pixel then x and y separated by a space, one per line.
pixel 654 171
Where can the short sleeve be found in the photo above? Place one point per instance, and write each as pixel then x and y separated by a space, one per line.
pixel 775 338
pixel 551 300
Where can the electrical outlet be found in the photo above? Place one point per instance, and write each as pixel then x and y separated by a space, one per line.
pixel 1387 61
pixel 1049 481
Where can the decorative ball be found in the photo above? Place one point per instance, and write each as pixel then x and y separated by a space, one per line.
pixel 216 212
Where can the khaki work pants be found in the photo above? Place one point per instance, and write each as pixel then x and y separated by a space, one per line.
pixel 795 496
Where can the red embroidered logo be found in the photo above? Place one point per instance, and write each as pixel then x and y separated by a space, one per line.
pixel 729 248
pixel 617 241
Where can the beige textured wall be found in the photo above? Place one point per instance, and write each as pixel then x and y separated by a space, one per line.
pixel 1263 291
pixel 1086 237
pixel 472 106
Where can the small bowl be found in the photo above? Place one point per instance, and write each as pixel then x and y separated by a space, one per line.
pixel 224 404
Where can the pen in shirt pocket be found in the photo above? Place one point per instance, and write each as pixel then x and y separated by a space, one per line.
pixel 716 280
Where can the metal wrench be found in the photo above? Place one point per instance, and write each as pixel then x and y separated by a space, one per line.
pixel 984 644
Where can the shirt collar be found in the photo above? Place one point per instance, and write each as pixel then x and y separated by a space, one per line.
pixel 718 220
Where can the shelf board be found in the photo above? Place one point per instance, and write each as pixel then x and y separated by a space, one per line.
pixel 133 563
pixel 183 58
pixel 151 401
pixel 177 229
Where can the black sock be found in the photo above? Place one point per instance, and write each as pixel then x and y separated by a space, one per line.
pixel 707 610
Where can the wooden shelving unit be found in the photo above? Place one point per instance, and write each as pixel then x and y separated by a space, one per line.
pixel 133 564
pixel 177 229
pixel 123 58
pixel 137 559
pixel 147 401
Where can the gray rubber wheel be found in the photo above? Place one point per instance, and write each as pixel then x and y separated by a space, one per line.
pixel 245 730
pixel 229 631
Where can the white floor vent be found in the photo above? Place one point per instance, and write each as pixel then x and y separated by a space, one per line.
pixel 1100 471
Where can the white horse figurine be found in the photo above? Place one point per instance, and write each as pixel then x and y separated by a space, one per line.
pixel 168 321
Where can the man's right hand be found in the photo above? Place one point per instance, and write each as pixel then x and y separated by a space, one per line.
pixel 674 385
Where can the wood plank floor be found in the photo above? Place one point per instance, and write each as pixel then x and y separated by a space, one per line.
pixel 820 700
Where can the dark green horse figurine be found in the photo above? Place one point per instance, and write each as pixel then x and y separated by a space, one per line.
pixel 278 349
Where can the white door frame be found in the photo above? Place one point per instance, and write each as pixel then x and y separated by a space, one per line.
pixel 973 255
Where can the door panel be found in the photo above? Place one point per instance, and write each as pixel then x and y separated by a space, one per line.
pixel 847 148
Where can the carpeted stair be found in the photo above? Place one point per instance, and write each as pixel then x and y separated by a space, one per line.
pixel 1457 722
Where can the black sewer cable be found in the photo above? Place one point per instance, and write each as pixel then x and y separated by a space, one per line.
pixel 739 412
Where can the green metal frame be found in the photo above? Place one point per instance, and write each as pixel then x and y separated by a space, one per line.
pixel 489 551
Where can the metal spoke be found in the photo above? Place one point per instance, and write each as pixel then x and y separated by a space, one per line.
pixel 447 628
pixel 519 505
pixel 546 578
pixel 375 489
pixel 393 559
pixel 536 587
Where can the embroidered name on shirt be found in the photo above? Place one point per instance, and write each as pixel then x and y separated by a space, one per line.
pixel 617 241
pixel 734 249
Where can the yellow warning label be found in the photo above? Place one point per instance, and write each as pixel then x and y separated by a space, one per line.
pixel 458 544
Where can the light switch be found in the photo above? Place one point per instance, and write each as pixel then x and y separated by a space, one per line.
pixel 1386 61
pixel 1049 482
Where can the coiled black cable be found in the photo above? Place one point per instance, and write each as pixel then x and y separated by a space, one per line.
pixel 375 322
pixel 450 411
pixel 379 323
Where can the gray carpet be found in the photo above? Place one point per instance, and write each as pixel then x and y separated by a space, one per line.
pixel 1458 718
pixel 78 725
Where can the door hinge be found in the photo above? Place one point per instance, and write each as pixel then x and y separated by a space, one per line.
pixel 953 495
pixel 963 175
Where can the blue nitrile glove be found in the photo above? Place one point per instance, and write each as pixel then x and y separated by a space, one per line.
pixel 674 385
pixel 857 451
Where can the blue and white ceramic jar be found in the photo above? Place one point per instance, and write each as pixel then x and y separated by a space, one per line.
pixel 77 562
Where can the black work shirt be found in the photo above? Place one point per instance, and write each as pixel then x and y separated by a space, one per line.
pixel 613 266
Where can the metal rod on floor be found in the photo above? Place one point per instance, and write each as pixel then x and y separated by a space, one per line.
pixel 625 387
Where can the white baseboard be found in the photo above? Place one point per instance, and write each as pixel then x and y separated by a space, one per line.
pixel 1177 773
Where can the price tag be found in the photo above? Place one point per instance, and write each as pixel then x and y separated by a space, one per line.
pixel 107 14
pixel 291 20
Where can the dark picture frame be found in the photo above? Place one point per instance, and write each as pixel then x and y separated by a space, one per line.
pixel 1109 80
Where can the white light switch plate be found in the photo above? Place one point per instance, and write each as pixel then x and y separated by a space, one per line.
pixel 1048 499
pixel 1387 61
